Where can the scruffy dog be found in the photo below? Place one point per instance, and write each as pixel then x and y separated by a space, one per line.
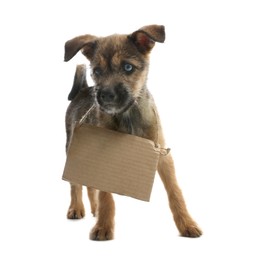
pixel 123 103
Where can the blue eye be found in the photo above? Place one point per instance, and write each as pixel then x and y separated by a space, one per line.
pixel 128 67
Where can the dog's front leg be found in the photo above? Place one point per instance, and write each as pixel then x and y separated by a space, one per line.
pixel 76 209
pixel 104 227
pixel 185 224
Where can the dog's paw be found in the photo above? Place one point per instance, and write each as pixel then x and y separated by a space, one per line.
pixel 99 233
pixel 76 212
pixel 191 230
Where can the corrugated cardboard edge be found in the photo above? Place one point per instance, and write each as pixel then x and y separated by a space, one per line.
pixel 118 163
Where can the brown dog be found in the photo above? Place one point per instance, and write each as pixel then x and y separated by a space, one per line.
pixel 123 103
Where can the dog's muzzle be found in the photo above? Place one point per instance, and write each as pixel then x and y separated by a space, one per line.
pixel 114 100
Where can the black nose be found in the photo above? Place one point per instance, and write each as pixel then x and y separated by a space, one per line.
pixel 107 95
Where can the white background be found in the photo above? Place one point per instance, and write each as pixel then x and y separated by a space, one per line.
pixel 206 79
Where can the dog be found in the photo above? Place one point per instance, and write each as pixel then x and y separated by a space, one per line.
pixel 121 101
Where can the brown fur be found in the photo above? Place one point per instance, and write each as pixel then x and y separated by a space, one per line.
pixel 123 103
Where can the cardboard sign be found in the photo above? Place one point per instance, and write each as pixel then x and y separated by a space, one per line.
pixel 111 161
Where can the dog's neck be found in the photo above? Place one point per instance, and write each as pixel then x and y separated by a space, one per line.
pixel 130 121
pixel 140 119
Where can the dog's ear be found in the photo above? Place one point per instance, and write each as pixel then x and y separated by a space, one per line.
pixel 85 42
pixel 145 37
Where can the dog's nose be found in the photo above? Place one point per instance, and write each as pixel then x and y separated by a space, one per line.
pixel 107 95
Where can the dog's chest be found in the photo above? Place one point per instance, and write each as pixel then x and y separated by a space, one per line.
pixel 131 122
pixel 130 125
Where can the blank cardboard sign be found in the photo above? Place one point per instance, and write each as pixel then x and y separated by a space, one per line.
pixel 111 161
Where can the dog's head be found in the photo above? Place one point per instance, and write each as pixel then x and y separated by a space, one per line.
pixel 119 64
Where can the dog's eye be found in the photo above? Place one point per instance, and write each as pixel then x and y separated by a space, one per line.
pixel 128 67
pixel 97 71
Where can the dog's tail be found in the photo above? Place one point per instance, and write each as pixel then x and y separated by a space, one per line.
pixel 79 81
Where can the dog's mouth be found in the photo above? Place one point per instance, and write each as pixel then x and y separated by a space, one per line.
pixel 114 100
pixel 112 109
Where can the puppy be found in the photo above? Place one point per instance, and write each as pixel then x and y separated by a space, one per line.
pixel 120 101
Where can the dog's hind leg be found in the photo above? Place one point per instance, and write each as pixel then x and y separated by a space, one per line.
pixel 185 224
pixel 76 209
pixel 104 227
pixel 92 199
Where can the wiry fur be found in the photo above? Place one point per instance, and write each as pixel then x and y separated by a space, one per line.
pixel 123 103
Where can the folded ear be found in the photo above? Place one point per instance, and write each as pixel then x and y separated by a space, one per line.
pixel 74 45
pixel 145 37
